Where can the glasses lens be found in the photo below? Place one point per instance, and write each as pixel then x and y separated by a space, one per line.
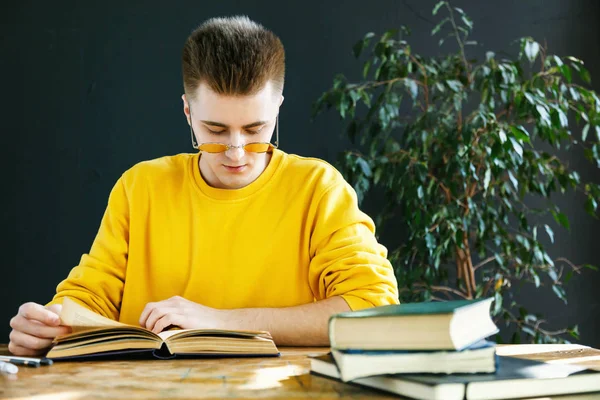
pixel 257 147
pixel 213 147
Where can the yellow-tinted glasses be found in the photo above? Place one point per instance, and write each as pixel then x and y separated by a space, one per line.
pixel 253 147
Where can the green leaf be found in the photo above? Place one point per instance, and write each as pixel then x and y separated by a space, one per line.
pixel 568 276
pixel 564 122
pixel 532 49
pixel 514 180
pixel 517 147
pixel 364 166
pixel 366 98
pixel 366 68
pixel 437 28
pixel 412 87
pixel 536 280
pixel 574 93
pixel 561 219
pixel 467 21
pixel 584 74
pixel 591 205
pixel 361 44
pixel 420 192
pixel 455 85
pixel 502 135
pixel 352 130
pixel 557 61
pixel 528 331
pixel 430 241
pixel 487 178
pixel 377 175
pixel 520 133
pixel 550 233
pixel 584 132
pixel 560 292
pixel 498 299
pixel 388 34
pixel 575 60
pixel 437 7
pixel 544 115
pixel 515 338
pixel 592 267
pixel 574 332
pixel 566 71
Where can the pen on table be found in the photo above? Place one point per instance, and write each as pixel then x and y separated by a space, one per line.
pixel 27 361
pixel 8 368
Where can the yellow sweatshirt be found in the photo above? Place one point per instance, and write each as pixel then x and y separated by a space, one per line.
pixel 293 236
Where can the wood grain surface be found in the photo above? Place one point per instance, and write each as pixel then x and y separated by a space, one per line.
pixel 285 377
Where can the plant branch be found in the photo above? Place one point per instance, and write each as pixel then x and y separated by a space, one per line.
pixel 443 289
pixel 484 262
pixel 425 86
pixel 460 43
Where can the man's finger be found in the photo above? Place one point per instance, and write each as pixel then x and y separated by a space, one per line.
pixel 169 319
pixel 40 313
pixel 28 341
pixel 37 329
pixel 55 308
pixel 157 314
pixel 146 312
pixel 23 351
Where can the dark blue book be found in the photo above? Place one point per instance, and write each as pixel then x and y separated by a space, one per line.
pixel 451 325
pixel 514 378
pixel 477 358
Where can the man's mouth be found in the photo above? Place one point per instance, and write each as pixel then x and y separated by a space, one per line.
pixel 235 168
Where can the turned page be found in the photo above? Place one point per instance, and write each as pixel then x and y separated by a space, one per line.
pixel 80 318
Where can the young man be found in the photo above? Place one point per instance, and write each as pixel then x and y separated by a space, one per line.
pixel 239 235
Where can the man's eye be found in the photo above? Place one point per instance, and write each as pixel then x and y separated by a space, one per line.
pixel 215 132
pixel 255 131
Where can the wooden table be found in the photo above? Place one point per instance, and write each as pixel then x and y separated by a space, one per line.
pixel 286 377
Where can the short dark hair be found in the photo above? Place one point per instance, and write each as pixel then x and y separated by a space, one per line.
pixel 233 56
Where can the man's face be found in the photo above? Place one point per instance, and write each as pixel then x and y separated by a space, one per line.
pixel 233 120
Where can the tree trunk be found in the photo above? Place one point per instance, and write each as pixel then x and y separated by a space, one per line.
pixel 464 265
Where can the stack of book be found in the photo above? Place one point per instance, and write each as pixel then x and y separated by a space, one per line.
pixel 437 350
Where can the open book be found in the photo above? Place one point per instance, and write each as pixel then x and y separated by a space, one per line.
pixel 93 334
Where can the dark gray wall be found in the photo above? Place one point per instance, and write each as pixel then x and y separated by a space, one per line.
pixel 89 90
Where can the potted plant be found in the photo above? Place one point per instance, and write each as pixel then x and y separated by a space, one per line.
pixel 461 150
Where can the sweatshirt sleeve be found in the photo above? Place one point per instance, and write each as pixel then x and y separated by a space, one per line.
pixel 97 282
pixel 346 259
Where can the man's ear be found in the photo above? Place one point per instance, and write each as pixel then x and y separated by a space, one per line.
pixel 281 101
pixel 186 109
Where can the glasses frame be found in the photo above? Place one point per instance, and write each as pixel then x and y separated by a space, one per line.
pixel 272 146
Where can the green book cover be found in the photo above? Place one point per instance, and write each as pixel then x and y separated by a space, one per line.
pixel 425 308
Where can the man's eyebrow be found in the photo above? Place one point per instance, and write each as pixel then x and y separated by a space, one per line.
pixel 252 125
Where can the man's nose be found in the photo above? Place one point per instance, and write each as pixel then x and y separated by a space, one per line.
pixel 236 151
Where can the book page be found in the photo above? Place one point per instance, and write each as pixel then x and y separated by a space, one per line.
pixel 80 318
pixel 164 335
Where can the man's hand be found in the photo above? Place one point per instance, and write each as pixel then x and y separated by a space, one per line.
pixel 182 313
pixel 302 325
pixel 33 329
